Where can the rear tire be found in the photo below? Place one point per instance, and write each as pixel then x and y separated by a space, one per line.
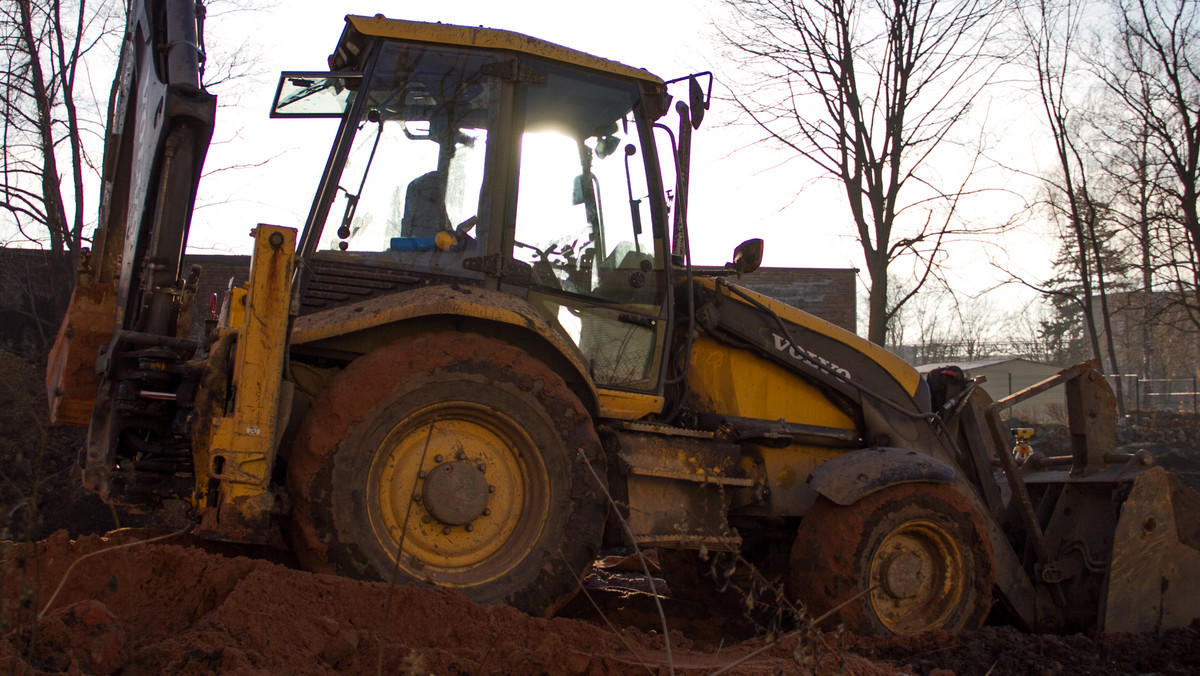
pixel 923 545
pixel 461 452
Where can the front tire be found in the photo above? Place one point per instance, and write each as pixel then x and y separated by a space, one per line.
pixel 921 550
pixel 460 453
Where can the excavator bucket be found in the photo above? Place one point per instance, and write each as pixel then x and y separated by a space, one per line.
pixel 71 378
pixel 1113 539
pixel 1152 574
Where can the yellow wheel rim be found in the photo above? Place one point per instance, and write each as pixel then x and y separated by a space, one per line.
pixel 918 577
pixel 461 489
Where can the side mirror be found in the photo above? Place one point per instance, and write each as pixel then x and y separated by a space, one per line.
pixel 699 97
pixel 696 101
pixel 747 256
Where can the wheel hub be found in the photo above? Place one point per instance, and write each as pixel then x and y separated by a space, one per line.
pixel 920 575
pixel 455 493
pixel 460 495
pixel 903 575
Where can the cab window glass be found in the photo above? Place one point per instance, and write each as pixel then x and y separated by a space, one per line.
pixel 583 218
pixel 584 222
pixel 414 172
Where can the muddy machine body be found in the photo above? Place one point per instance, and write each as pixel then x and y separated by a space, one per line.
pixel 486 355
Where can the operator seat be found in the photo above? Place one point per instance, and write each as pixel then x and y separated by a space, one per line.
pixel 424 208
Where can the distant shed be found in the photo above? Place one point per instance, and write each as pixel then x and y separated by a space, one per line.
pixel 1011 375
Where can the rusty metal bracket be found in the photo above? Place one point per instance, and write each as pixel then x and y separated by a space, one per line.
pixel 682 487
pixel 1012 472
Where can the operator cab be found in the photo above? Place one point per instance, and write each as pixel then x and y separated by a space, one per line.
pixel 481 157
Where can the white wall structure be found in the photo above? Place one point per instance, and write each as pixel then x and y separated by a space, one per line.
pixel 1009 375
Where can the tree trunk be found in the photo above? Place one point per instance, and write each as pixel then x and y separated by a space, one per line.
pixel 56 217
pixel 878 302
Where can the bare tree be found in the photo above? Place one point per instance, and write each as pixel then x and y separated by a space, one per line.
pixel 1152 73
pixel 58 57
pixel 867 91
pixel 939 326
pixel 1052 29
pixel 48 121
pixel 1134 173
pixel 54 51
pixel 46 163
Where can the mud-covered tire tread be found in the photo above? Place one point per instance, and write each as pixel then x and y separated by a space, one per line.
pixel 328 532
pixel 834 544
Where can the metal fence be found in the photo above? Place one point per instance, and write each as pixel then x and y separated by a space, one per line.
pixel 1153 395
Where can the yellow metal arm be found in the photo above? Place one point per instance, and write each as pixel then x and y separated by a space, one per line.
pixel 243 443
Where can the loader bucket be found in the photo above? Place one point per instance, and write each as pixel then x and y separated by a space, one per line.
pixel 1112 541
pixel 1152 581
pixel 71 378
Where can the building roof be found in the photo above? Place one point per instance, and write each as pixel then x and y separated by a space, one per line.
pixel 976 365
pixel 491 38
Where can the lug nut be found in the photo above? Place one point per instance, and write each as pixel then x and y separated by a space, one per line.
pixel 487 512
pixel 491 489
pixel 446 530
pixel 416 497
pixel 426 519
pixel 482 467
pixel 469 528
pixel 422 474
pixel 460 456
pixel 437 458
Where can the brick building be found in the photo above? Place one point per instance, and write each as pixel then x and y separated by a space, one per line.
pixel 34 287
pixel 35 284
pixel 829 293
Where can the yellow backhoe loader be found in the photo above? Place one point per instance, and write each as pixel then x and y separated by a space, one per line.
pixel 489 324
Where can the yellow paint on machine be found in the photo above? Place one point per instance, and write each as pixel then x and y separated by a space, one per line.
pixel 343 322
pixel 899 369
pixel 621 405
pixel 491 38
pixel 739 383
pixel 71 379
pixel 243 444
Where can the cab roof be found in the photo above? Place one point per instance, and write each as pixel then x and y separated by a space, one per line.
pixel 487 38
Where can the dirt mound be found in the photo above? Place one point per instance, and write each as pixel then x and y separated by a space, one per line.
pixel 185 606
pixel 36 457
pixel 174 608
pixel 1004 650
pixel 177 607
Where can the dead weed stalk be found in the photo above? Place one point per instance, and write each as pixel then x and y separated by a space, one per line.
pixel 641 557
pixel 803 653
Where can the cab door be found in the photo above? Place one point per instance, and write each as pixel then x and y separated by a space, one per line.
pixel 587 217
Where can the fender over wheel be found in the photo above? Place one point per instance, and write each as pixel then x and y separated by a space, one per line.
pixel 913 557
pixel 451 460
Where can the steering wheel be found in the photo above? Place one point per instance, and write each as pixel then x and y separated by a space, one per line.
pixel 544 270
pixel 543 254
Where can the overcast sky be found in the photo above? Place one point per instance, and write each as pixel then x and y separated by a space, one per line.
pixel 737 194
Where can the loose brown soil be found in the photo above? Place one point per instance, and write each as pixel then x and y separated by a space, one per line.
pixel 172 607
pixel 181 605
pixel 177 606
